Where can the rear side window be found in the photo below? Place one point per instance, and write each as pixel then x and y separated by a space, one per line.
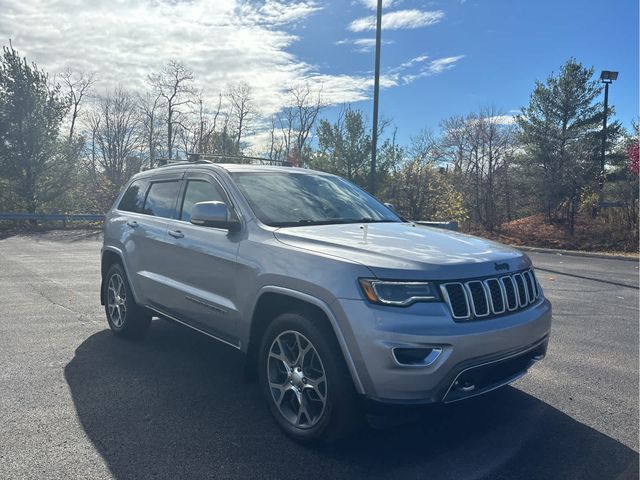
pixel 199 191
pixel 133 198
pixel 161 199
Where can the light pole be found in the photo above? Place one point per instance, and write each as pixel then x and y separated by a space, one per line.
pixel 606 77
pixel 376 93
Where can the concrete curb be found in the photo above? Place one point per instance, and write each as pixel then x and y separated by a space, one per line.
pixel 577 253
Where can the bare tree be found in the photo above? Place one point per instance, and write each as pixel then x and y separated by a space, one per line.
pixel 150 104
pixel 287 120
pixel 117 135
pixel 481 148
pixel 174 85
pixel 78 85
pixel 275 143
pixel 307 104
pixel 298 120
pixel 242 111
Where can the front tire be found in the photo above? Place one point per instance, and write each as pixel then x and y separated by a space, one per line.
pixel 126 318
pixel 305 381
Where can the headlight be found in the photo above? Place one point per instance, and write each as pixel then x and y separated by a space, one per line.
pixel 400 294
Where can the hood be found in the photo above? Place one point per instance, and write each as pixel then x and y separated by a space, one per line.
pixel 406 250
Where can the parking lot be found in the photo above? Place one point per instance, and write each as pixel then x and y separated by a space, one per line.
pixel 76 402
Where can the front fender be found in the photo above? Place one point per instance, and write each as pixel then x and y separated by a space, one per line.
pixel 328 311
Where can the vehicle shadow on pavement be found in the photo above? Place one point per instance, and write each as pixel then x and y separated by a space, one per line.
pixel 176 405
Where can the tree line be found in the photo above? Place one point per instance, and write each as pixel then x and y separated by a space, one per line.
pixel 66 147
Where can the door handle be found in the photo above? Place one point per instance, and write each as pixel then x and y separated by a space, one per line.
pixel 132 224
pixel 176 233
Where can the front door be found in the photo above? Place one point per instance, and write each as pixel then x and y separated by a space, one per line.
pixel 204 262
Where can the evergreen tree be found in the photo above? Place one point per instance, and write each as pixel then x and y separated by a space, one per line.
pixel 560 132
pixel 35 166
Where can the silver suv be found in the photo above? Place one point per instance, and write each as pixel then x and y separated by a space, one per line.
pixel 336 300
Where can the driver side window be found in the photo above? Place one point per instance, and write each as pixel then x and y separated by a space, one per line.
pixel 199 191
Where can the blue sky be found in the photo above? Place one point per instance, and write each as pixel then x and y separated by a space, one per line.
pixel 507 45
pixel 439 58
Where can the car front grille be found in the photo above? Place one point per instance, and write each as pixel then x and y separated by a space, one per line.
pixel 489 297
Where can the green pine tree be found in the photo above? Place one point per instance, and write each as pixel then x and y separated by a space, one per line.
pixel 35 166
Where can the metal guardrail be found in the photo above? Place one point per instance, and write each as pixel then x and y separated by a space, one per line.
pixel 445 225
pixel 51 217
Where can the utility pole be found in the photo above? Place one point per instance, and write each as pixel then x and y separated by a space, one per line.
pixel 376 94
pixel 606 77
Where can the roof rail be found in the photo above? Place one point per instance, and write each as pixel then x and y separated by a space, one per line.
pixel 165 162
pixel 208 158
pixel 225 158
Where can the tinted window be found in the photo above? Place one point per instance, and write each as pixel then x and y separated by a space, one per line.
pixel 133 199
pixel 198 191
pixel 161 199
pixel 290 199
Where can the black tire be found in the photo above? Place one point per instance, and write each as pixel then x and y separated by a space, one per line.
pixel 340 414
pixel 127 319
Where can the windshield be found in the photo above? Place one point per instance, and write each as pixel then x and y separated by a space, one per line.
pixel 293 199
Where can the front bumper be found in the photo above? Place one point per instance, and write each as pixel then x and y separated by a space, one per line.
pixel 483 354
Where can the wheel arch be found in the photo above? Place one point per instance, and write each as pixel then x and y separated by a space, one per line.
pixel 272 301
pixel 110 256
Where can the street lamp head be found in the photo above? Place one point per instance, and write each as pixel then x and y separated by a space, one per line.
pixel 608 76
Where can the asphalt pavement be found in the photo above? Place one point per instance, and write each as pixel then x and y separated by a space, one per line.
pixel 76 402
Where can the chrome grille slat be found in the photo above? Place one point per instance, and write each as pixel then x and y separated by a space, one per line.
pixel 535 283
pixel 510 292
pixel 496 297
pixel 523 298
pixel 493 296
pixel 456 297
pixel 478 299
pixel 529 284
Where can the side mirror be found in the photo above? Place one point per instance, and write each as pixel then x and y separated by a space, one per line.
pixel 213 214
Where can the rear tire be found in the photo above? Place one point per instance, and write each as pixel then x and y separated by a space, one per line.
pixel 125 317
pixel 305 380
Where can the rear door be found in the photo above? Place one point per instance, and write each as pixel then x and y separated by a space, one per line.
pixel 204 266
pixel 152 247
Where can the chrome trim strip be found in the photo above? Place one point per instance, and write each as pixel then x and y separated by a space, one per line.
pixel 534 360
pixel 445 294
pixel 427 362
pixel 171 317
pixel 205 304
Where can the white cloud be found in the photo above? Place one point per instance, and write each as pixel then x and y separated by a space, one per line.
pixel 504 119
pixel 434 67
pixel 221 41
pixel 275 12
pixel 414 60
pixel 373 4
pixel 362 45
pixel 398 20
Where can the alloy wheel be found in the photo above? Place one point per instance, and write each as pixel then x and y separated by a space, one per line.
pixel 297 379
pixel 117 300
